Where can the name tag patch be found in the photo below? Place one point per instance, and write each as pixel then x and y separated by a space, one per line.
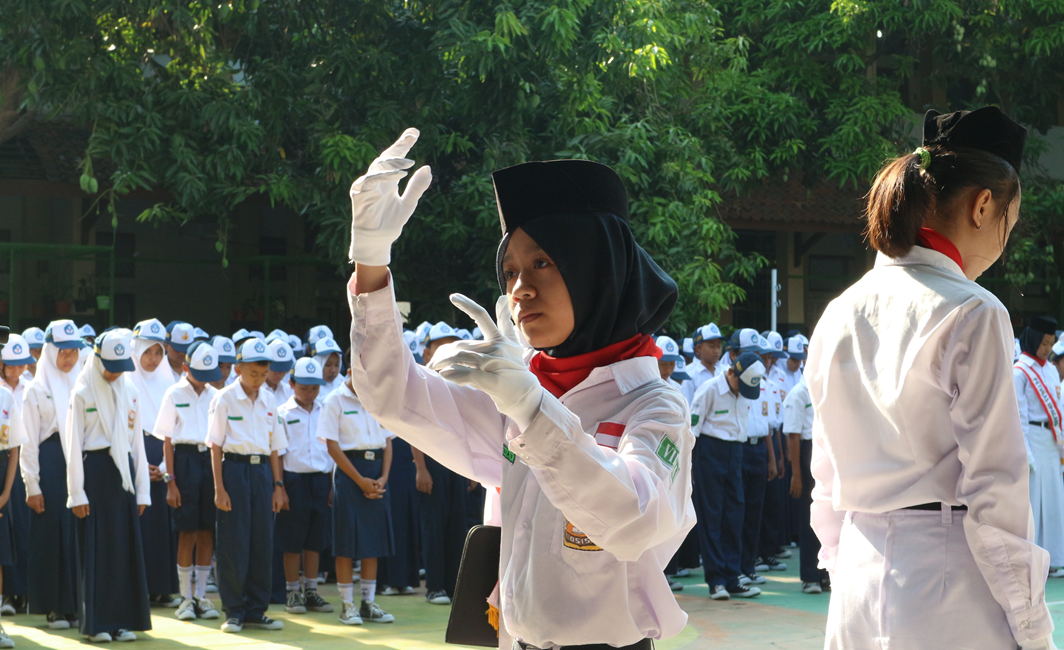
pixel 370 455
pixel 293 421
pixel 720 412
pixel 575 539
pixel 181 406
pixel 236 418
pixel 350 412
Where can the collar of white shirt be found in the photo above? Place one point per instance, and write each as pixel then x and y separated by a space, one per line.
pixel 920 256
pixel 240 394
pixel 629 374
pixel 722 383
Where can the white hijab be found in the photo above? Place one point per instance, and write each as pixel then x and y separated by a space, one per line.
pixel 56 383
pixel 320 359
pixel 150 385
pixel 115 403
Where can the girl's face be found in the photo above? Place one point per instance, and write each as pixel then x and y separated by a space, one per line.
pixel 151 358
pixel 331 368
pixel 12 374
pixel 1047 346
pixel 67 359
pixel 539 300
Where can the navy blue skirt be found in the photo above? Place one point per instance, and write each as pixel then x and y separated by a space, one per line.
pixel 52 565
pixel 362 528
pixel 15 575
pixel 112 581
pixel 158 530
pixel 7 531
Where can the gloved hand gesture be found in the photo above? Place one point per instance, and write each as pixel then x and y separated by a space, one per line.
pixel 495 365
pixel 378 213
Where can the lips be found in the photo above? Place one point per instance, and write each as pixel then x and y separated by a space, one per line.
pixel 529 317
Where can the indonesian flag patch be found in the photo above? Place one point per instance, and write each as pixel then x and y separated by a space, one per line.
pixel 608 434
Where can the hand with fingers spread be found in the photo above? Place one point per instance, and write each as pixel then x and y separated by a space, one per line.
pixel 495 365
pixel 378 212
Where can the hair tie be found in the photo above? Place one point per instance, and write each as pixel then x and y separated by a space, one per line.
pixel 925 158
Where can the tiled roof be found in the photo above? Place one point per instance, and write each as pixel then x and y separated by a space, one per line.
pixel 791 205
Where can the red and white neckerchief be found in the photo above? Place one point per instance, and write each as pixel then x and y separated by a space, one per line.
pixel 1026 365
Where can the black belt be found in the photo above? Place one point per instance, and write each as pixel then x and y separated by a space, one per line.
pixel 934 506
pixel 756 440
pixel 250 459
pixel 366 454
pixel 94 452
pixel 645 644
pixel 1039 424
pixel 189 446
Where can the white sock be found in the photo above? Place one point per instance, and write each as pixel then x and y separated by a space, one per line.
pixel 292 586
pixel 369 590
pixel 201 580
pixel 347 592
pixel 310 583
pixel 184 578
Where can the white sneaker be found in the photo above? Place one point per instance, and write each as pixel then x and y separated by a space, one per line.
pixel 438 598
pixel 124 636
pixel 205 608
pixel 232 625
pixel 718 592
pixel 57 622
pixel 811 588
pixel 784 554
pixel 752 579
pixel 745 592
pixel 373 613
pixel 5 640
pixel 102 637
pixel 349 614
pixel 186 611
pixel 264 623
pixel 683 573
pixel 1054 572
pixel 7 607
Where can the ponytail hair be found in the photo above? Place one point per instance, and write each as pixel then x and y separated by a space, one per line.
pixel 924 184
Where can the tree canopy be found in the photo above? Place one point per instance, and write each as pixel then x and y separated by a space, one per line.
pixel 689 100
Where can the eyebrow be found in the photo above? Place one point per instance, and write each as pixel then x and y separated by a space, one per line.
pixel 509 256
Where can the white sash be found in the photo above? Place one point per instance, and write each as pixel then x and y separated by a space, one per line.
pixel 1049 403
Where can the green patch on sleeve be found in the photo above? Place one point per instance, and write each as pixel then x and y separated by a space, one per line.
pixel 669 454
pixel 350 412
pixel 236 417
pixel 808 405
pixel 92 410
pixel 507 454
pixel 694 419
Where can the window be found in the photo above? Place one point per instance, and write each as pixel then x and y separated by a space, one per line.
pixel 273 246
pixel 829 274
pixel 125 250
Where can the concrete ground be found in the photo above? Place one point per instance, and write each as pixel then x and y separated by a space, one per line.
pixel 781 618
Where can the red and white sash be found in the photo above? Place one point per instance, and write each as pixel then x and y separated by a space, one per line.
pixel 1026 365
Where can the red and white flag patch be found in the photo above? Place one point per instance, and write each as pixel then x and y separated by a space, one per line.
pixel 608 434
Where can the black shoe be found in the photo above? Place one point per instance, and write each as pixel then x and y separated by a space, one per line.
pixel 744 592
pixel 263 623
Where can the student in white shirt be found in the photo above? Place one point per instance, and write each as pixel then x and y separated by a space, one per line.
pixel 12 435
pixel 151 378
pixel 244 429
pixel 327 355
pixel 921 500
pixel 302 529
pixel 15 358
pixel 179 335
pixel 182 423
pixel 35 338
pixel 1042 421
pixel 707 348
pixel 590 447
pixel 52 576
pixel 109 488
pixel 362 517
pixel 281 362
pixel 798 427
pixel 1056 359
pixel 226 350
pixel 720 416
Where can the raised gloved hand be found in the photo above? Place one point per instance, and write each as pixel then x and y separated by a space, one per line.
pixel 495 365
pixel 378 213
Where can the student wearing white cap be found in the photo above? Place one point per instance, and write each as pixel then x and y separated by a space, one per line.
pixel 921 499
pixel 798 427
pixel 277 334
pixel 87 334
pixel 15 358
pixel 245 429
pixel 199 334
pixel 1056 360
pixel 706 345
pixel 182 423
pixel 35 338
pixel 774 518
pixel 302 530
pixel 281 361
pixel 720 417
pixel 109 487
pixel 12 435
pixel 327 354
pixel 670 358
pixel 362 526
pixel 52 576
pixel 240 336
pixel 226 350
pixel 318 333
pixel 259 335
pixel 179 336
pixel 680 375
pixel 152 377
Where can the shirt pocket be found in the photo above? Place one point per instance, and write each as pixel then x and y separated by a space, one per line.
pixel 577 550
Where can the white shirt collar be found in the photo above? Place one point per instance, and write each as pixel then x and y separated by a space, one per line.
pixel 629 374
pixel 920 256
pixel 722 383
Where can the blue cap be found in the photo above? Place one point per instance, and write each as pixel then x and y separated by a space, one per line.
pixel 307 371
pixel 670 351
pixel 705 333
pixel 240 336
pixel 34 337
pixel 281 357
pixel 749 369
pixel 63 334
pixel 681 371
pixel 202 360
pixel 115 350
pixel 225 348
pixel 16 352
pixel 87 331
pixel 327 346
pixel 252 350
pixel 180 336
pixel 150 330
pixel 796 348
pixel 200 335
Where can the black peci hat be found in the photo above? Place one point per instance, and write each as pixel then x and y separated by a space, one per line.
pixel 1043 325
pixel 538 189
pixel 987 129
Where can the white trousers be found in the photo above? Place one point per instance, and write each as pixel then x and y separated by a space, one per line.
pixel 906 580
pixel 1047 494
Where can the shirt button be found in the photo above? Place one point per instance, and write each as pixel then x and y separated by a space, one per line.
pixel 1025 624
pixel 526 525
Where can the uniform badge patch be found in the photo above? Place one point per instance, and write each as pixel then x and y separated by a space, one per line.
pixel 507 454
pixel 669 454
pixel 764 409
pixel 132 419
pixel 575 539
pixel 694 419
pixel 5 434
pixel 371 455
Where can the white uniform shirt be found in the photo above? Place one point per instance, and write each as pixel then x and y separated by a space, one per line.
pixel 282 393
pixel 699 375
pixel 718 413
pixel 587 528
pixel 183 414
pixel 763 411
pixel 1030 406
pixel 12 433
pixel 909 376
pixel 776 396
pixel 787 379
pixel 39 422
pixel 240 426
pixel 88 432
pixel 18 428
pixel 346 421
pixel 305 452
pixel 798 412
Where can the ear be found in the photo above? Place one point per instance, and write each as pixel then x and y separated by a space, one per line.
pixel 982 208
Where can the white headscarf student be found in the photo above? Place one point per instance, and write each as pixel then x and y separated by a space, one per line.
pixel 921 500
pixel 327 353
pixel 52 578
pixel 591 448
pixel 107 480
pixel 152 376
pixel 15 357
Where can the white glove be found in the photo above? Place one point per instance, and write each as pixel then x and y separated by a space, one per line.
pixel 378 213
pixel 495 365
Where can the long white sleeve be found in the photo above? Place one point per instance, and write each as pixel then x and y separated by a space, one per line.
pixel 1021 398
pixel 141 478
pixel 457 426
pixel 72 450
pixel 29 455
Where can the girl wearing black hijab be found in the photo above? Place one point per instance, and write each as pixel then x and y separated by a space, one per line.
pixel 1040 418
pixel 591 449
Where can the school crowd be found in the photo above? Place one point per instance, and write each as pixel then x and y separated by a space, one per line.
pixel 156 461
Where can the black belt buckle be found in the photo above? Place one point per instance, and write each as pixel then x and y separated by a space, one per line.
pixel 937 506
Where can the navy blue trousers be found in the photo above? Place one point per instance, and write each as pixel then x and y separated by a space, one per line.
pixel 401 569
pixel 755 482
pixel 808 542
pixel 15 576
pixel 720 506
pixel 772 514
pixel 443 527
pixel 158 530
pixel 244 544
